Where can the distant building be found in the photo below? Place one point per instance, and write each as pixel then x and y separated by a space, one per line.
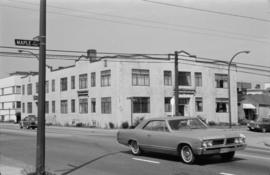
pixel 242 87
pixel 10 96
pixel 99 92
pixel 259 90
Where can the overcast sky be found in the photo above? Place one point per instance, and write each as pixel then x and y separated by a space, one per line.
pixel 141 27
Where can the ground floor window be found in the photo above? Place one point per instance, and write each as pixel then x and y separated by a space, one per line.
pixel 83 105
pixel 222 105
pixel 64 106
pixel 93 105
pixel 141 104
pixel 73 105
pixel 29 107
pixel 106 105
pixel 46 107
pixel 168 107
pixel 53 106
pixel 23 108
pixel 199 104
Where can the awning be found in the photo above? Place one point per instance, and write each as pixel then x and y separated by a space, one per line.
pixel 249 106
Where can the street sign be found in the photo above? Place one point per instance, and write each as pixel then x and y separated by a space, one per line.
pixel 30 43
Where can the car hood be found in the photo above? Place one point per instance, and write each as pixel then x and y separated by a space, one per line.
pixel 205 134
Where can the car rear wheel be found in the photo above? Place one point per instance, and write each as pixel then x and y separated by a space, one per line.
pixel 227 156
pixel 134 147
pixel 187 154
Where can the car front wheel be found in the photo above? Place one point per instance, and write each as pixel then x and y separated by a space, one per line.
pixel 187 155
pixel 227 156
pixel 134 147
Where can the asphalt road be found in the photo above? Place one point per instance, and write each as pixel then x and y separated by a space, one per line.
pixel 84 153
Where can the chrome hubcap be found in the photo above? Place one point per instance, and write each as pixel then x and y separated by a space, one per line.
pixel 186 154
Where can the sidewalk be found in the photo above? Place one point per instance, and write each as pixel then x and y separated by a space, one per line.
pixel 13 167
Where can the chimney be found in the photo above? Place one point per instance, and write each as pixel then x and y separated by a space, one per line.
pixel 92 55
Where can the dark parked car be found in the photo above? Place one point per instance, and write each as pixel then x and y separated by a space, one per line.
pixel 262 124
pixel 29 122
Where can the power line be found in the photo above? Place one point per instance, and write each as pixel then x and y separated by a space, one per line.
pixel 148 26
pixel 209 11
pixel 144 20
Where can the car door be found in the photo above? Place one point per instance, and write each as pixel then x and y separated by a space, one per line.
pixel 158 137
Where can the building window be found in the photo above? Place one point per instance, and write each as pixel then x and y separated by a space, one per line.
pixel 23 89
pixel 72 82
pixel 64 106
pixel 83 106
pixel 63 84
pixel 53 106
pixel 13 105
pixel 221 80
pixel 46 107
pixel 53 85
pixel 29 107
pixel 23 107
pixel 93 105
pixel 29 89
pixel 222 105
pixel 199 104
pixel 141 105
pixel 168 107
pixel 73 105
pixel 93 79
pixel 18 89
pixel 37 88
pixel 167 78
pixel 198 79
pixel 105 78
pixel 18 105
pixel 83 81
pixel 13 89
pixel 140 77
pixel 106 105
pixel 47 86
pixel 184 78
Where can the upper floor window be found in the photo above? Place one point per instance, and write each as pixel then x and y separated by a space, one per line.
pixel 29 89
pixel 63 84
pixel 222 105
pixel 46 107
pixel 141 104
pixel 167 78
pixel 23 89
pixel 140 77
pixel 106 105
pixel 72 82
pixel 105 78
pixel 53 85
pixel 47 87
pixel 93 79
pixel 82 81
pixel 198 79
pixel 184 78
pixel 37 88
pixel 221 80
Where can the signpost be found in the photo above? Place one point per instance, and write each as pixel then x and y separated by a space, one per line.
pixel 29 43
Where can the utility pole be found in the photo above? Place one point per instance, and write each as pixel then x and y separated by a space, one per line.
pixel 40 152
pixel 176 88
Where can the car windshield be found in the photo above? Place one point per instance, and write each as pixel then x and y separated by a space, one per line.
pixel 192 123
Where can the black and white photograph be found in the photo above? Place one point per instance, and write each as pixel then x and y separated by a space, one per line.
pixel 134 87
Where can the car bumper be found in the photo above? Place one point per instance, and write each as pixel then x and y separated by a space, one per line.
pixel 220 150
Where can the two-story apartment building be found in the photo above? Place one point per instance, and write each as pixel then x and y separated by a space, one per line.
pixel 10 96
pixel 113 89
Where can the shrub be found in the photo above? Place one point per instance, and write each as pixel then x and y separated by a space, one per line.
pixel 111 125
pixel 79 124
pixel 242 121
pixel 212 123
pixel 124 125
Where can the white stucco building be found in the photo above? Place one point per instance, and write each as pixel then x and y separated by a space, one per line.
pixel 10 96
pixel 97 93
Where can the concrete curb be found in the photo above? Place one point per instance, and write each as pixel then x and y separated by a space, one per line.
pixel 259 148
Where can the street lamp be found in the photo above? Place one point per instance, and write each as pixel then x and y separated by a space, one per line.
pixel 35 55
pixel 176 83
pixel 229 84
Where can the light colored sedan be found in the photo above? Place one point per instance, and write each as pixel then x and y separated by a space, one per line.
pixel 183 136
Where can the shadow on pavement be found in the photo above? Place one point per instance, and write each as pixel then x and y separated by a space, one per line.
pixel 201 161
pixel 74 167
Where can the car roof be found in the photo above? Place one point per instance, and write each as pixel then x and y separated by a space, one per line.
pixel 170 118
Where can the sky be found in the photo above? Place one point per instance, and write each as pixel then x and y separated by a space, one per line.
pixel 138 26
